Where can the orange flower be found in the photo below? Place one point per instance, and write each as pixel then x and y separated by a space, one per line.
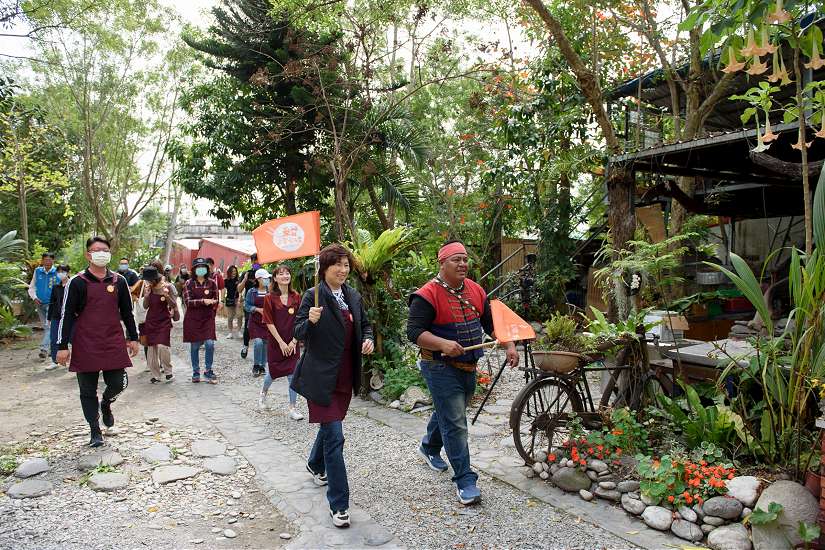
pixel 551 457
pixel 582 462
pixel 730 476
pixel 670 498
pixel 618 451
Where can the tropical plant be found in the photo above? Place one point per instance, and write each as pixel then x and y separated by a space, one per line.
pixel 777 384
pixel 623 329
pixel 560 334
pixel 10 326
pixel 700 424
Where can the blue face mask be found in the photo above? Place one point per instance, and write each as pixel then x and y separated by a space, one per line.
pixel 122 267
pixel 200 271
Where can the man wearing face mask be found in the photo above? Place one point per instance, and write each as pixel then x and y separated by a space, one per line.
pixel 131 275
pixel 40 290
pixel 97 301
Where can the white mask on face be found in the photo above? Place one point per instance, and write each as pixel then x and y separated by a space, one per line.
pixel 62 275
pixel 101 258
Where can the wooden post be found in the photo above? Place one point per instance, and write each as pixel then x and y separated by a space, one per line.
pixel 317 267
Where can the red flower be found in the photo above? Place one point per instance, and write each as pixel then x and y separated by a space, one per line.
pixel 670 498
pixel 551 457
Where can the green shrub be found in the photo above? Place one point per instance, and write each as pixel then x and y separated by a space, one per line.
pixel 398 379
pixel 10 326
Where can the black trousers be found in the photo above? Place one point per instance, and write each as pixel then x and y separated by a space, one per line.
pixel 246 328
pixel 116 381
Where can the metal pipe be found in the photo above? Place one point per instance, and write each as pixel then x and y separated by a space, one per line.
pixel 502 262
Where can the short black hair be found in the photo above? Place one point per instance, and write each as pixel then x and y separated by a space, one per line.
pixel 63 267
pixel 210 261
pixel 48 255
pixel 96 239
pixel 331 255
pixel 123 258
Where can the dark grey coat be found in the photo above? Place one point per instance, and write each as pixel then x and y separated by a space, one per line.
pixel 317 370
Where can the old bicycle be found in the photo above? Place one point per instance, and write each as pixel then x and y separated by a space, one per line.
pixel 555 393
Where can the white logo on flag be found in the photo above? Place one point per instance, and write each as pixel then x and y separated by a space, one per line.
pixel 288 236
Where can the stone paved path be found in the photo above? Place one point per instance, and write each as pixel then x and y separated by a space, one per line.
pixel 282 475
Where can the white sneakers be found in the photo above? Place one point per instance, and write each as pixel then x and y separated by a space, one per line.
pixel 295 414
pixel 52 366
pixel 262 401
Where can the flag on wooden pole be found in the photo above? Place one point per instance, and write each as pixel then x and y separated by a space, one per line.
pixel 508 326
pixel 289 237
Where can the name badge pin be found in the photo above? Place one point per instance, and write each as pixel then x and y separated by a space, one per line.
pixel 110 288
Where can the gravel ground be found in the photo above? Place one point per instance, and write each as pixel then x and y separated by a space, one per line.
pixel 391 483
pixel 183 514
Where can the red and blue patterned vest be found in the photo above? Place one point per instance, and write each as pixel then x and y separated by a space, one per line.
pixel 454 320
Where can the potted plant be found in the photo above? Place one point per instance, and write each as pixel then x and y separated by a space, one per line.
pixel 560 348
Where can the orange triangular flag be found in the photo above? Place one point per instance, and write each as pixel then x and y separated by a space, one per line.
pixel 508 326
pixel 290 237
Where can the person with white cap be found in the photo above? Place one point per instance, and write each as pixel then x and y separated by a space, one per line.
pixel 258 333
pixel 446 315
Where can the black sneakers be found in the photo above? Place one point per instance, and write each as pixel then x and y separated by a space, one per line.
pixel 108 417
pixel 244 351
pixel 96 439
pixel 257 370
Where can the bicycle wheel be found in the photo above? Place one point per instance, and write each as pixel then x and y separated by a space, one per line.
pixel 540 414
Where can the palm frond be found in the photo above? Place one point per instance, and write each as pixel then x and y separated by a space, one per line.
pixel 397 190
pixel 372 258
pixel 11 248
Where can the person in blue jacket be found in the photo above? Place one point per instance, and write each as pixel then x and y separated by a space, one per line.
pixel 40 290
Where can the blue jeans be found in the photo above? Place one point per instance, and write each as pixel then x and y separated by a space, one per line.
pixel 293 397
pixel 194 354
pixel 53 335
pixel 451 389
pixel 259 352
pixel 43 315
pixel 327 455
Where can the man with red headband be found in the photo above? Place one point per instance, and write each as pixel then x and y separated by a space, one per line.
pixel 448 314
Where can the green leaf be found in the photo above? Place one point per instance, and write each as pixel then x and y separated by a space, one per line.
pixel 819 211
pixel 747 114
pixel 808 532
pixel 745 281
pixel 760 517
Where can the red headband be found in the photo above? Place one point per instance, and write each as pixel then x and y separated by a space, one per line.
pixel 450 250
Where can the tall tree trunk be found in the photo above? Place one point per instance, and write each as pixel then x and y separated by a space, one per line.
pixel 620 182
pixel 806 183
pixel 21 192
pixel 376 204
pixel 171 231
pixel 621 218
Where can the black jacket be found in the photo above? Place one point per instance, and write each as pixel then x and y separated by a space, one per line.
pixel 317 370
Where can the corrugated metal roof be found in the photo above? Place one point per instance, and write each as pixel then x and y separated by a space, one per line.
pixel 246 246
pixel 191 244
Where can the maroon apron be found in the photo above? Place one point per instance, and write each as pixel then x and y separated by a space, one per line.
pixel 98 342
pixel 283 317
pixel 342 395
pixel 256 326
pixel 158 324
pixel 199 320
